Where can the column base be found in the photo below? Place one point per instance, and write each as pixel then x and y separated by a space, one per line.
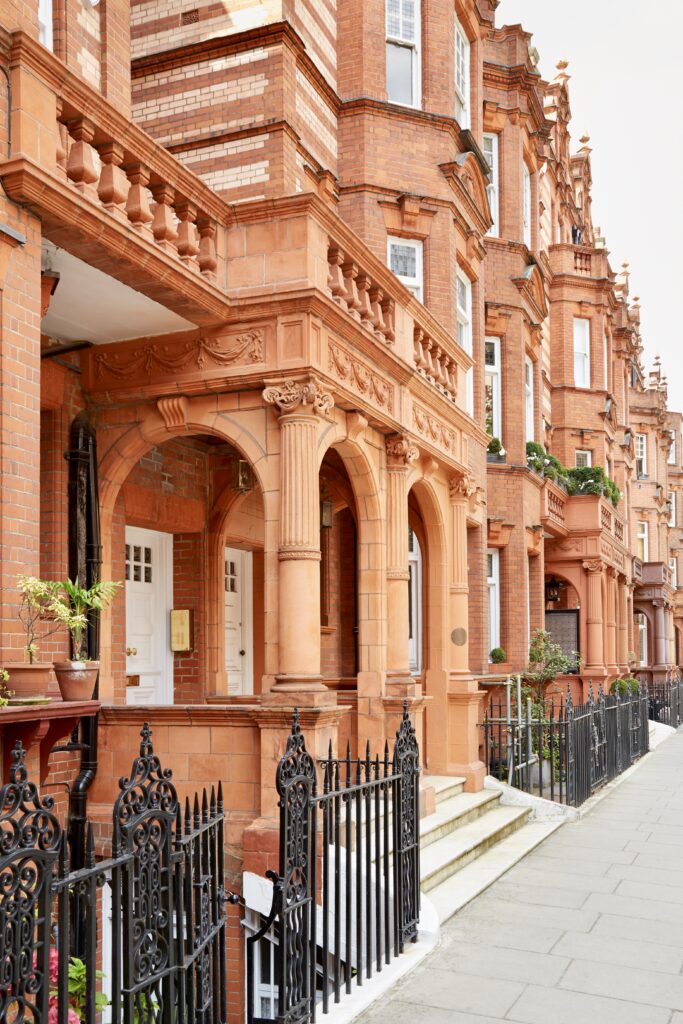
pixel 302 691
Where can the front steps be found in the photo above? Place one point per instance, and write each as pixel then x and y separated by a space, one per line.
pixel 469 841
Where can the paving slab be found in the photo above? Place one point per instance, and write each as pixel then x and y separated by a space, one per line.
pixel 587 928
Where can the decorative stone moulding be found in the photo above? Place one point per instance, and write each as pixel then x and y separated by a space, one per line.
pixel 359 377
pixel 151 357
pixel 401 451
pixel 291 394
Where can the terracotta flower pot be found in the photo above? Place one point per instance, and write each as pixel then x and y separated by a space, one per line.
pixel 27 681
pixel 76 678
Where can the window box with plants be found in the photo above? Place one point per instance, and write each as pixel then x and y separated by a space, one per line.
pixel 495 451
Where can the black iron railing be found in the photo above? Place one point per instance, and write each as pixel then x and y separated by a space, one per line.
pixel 347 896
pixel 565 752
pixel 166 937
pixel 666 701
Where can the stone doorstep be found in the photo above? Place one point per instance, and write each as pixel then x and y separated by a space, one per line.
pixel 454 813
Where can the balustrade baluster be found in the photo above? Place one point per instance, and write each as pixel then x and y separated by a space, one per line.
pixel 376 298
pixel 388 314
pixel 163 222
pixel 80 166
pixel 207 258
pixel 363 284
pixel 137 205
pixel 335 278
pixel 350 271
pixel 113 184
pixel 187 243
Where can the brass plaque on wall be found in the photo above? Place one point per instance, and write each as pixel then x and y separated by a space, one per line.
pixel 181 629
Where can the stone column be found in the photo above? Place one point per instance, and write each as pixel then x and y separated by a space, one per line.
pixel 622 624
pixel 595 661
pixel 464 696
pixel 661 635
pixel 300 403
pixel 611 620
pixel 400 455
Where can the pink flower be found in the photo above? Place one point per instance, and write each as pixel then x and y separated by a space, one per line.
pixel 52 1013
pixel 54 965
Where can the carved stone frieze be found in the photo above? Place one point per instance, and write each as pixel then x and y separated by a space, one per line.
pixel 436 431
pixel 360 378
pixel 153 357
pixel 291 394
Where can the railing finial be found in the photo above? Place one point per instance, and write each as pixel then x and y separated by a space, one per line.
pixel 146 749
pixel 296 725
pixel 17 772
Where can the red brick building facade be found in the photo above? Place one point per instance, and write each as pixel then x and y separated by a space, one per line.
pixel 295 291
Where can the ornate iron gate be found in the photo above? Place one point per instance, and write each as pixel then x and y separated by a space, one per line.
pixel 347 896
pixel 166 877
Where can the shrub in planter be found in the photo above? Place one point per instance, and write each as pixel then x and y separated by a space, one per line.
pixel 625 687
pixel 495 447
pixel 71 605
pixel 497 656
pixel 29 679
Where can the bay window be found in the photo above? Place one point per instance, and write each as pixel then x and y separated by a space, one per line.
pixel 404 257
pixel 641 455
pixel 492 388
pixel 403 52
pixel 582 352
pixel 492 189
pixel 462 76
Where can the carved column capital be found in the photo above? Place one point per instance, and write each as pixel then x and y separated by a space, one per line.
pixel 593 566
pixel 290 395
pixel 401 452
pixel 460 487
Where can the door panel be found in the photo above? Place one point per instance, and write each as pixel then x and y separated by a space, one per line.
pixel 148 601
pixel 238 621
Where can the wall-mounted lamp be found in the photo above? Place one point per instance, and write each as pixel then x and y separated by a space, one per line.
pixel 243 478
pixel 326 513
pixel 552 590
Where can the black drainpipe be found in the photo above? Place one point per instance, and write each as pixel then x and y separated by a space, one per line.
pixel 85 562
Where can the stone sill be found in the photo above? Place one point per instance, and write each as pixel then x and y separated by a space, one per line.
pixel 40 725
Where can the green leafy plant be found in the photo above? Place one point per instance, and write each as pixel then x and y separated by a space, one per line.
pixel 34 612
pixel 625 687
pixel 495 447
pixel 546 661
pixel 71 605
pixel 497 656
pixel 5 694
pixel 593 480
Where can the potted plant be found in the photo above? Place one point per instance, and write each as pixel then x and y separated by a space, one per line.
pixel 497 656
pixel 29 679
pixel 5 693
pixel 71 605
pixel 495 451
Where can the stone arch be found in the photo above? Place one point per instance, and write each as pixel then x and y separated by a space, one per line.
pixel 198 417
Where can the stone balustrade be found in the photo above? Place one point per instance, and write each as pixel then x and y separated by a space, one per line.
pixel 359 295
pixel 553 515
pixel 580 260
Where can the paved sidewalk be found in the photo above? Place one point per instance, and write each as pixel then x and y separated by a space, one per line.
pixel 588 929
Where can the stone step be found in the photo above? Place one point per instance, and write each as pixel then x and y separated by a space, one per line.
pixel 445 786
pixel 450 895
pixel 452 814
pixel 443 858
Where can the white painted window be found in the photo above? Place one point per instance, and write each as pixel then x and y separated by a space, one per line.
pixel 583 457
pixel 462 76
pixel 526 204
pixel 642 540
pixel 463 291
pixel 493 584
pixel 672 508
pixel 404 256
pixel 45 23
pixel 492 189
pixel 673 565
pixel 641 629
pixel 529 419
pixel 403 52
pixel 582 352
pixel 641 454
pixel 492 387
pixel 605 362
pixel 414 604
pixel 672 450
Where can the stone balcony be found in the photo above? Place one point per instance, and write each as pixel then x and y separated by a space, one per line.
pixel 656 574
pixel 596 526
pixel 578 260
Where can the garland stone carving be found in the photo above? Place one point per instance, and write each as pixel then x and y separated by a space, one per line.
pixel 363 380
pixel 154 356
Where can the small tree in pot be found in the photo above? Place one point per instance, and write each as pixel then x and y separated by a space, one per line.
pixel 29 679
pixel 546 661
pixel 71 605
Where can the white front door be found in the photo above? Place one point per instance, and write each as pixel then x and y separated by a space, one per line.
pixel 414 604
pixel 149 598
pixel 239 666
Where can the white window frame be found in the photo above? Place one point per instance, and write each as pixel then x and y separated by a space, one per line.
pixel 605 361
pixel 45 31
pixel 673 565
pixel 491 151
pixel 529 414
pixel 494 372
pixel 671 460
pixel 642 631
pixel 526 204
pixel 463 80
pixel 415 603
pixel 583 458
pixel 642 540
pixel 672 508
pixel 463 311
pixel 413 284
pixel 493 589
pixel 641 455
pixel 403 39
pixel 581 329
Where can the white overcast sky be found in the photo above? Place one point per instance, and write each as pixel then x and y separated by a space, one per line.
pixel 625 63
